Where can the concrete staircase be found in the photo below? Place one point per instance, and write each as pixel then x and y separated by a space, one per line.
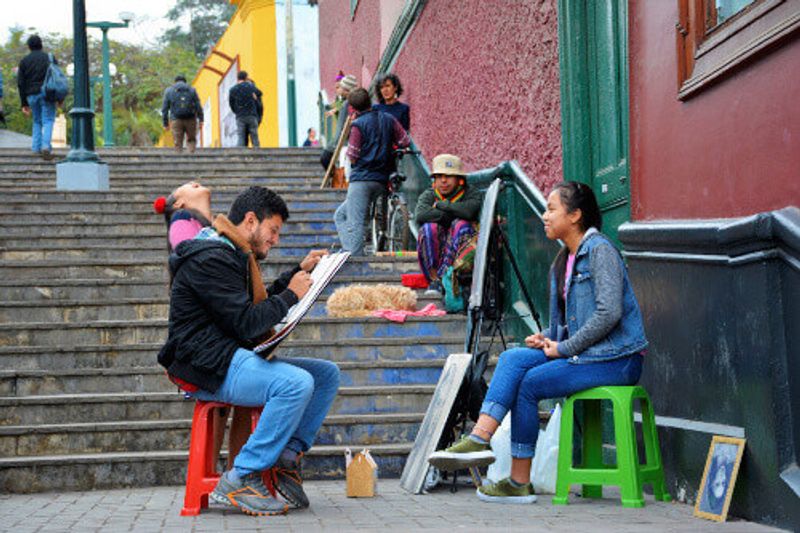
pixel 83 312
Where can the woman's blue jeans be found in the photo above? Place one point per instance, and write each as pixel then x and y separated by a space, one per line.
pixel 44 115
pixel 296 394
pixel 526 375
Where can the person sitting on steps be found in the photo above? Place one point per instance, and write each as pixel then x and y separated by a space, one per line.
pixel 596 337
pixel 219 311
pixel 447 215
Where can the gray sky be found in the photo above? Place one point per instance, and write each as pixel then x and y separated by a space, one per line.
pixel 56 16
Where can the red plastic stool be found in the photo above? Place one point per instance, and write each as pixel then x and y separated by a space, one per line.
pixel 202 475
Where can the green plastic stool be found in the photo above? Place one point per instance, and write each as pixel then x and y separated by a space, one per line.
pixel 628 475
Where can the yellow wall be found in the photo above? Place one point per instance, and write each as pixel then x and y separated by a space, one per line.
pixel 251 37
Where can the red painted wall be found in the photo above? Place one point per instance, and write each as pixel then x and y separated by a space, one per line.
pixel 481 77
pixel 731 150
pixel 348 44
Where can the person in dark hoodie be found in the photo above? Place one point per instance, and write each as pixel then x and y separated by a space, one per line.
pixel 30 78
pixel 219 311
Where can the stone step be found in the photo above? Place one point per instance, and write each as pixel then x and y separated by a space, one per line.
pixel 110 407
pixel 99 224
pixel 59 214
pixel 145 196
pixel 151 378
pixel 138 248
pixel 173 435
pixel 117 470
pixel 149 153
pixel 89 268
pixel 122 309
pixel 323 201
pixel 106 289
pixel 376 351
pixel 47 334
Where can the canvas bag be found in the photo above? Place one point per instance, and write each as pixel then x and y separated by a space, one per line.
pixel 55 86
pixel 361 474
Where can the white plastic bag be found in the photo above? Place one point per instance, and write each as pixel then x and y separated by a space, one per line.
pixel 501 446
pixel 545 460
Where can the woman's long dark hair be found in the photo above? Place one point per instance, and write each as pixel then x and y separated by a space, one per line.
pixel 575 195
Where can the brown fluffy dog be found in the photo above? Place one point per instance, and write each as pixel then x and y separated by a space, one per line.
pixel 362 300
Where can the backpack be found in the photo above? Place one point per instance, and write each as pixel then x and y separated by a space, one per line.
pixel 55 86
pixel 183 102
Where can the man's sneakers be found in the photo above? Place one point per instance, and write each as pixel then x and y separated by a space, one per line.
pixel 248 493
pixel 504 491
pixel 289 484
pixel 466 453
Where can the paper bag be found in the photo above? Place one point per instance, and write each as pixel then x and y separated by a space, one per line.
pixel 362 474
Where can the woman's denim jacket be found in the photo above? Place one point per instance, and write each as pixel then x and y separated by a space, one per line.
pixel 626 336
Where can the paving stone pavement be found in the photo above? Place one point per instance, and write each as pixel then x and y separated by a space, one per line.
pixel 157 509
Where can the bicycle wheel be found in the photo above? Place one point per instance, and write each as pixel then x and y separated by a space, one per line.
pixel 378 225
pixel 399 237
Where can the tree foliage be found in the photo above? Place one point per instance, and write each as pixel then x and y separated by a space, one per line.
pixel 137 88
pixel 207 21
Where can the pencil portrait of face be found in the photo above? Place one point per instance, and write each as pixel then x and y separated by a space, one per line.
pixel 719 477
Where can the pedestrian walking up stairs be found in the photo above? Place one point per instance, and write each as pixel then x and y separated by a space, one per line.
pixel 83 312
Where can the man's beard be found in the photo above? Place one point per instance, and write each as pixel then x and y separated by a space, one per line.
pixel 254 242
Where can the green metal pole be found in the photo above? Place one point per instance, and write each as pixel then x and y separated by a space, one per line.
pixel 82 131
pixel 108 121
pixel 291 105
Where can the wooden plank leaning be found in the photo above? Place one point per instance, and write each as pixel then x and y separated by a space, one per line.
pixel 332 165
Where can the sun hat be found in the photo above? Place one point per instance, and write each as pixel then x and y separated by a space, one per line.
pixel 448 164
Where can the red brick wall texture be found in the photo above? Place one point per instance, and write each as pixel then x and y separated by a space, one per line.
pixel 481 77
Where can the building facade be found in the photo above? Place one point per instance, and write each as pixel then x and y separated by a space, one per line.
pixel 686 129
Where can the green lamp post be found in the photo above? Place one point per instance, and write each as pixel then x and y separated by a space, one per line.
pixel 108 125
pixel 82 168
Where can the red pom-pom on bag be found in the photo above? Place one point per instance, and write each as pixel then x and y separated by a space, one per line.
pixel 159 205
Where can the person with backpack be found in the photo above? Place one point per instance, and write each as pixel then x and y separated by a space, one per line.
pixel 31 74
pixel 244 99
pixel 596 338
pixel 181 112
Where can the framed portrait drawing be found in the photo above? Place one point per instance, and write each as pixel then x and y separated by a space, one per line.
pixel 719 478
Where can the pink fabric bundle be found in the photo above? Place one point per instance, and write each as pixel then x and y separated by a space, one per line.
pixel 400 316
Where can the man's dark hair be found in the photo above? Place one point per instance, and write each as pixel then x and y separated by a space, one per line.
pixel 242 75
pixel 261 201
pixel 359 99
pixel 34 42
pixel 180 77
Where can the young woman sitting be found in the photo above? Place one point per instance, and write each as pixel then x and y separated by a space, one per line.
pixel 595 338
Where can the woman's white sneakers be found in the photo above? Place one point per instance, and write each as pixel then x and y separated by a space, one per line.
pixel 505 492
pixel 466 453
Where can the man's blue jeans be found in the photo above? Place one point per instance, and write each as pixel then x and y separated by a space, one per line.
pixel 526 375
pixel 349 216
pixel 296 394
pixel 44 115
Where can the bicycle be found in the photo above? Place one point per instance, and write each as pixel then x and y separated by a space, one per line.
pixel 388 215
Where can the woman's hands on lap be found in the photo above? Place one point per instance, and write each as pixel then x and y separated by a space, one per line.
pixel 535 341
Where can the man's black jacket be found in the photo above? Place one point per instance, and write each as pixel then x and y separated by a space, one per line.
pixel 211 312
pixel 245 99
pixel 31 73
